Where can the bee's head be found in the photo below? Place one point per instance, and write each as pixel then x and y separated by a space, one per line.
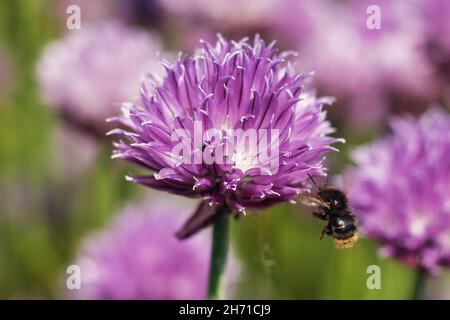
pixel 335 198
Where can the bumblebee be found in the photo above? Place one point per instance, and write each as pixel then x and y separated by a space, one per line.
pixel 333 207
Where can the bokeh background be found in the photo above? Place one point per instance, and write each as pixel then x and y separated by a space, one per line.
pixel 58 184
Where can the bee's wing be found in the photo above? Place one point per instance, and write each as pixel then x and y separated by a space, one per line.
pixel 309 200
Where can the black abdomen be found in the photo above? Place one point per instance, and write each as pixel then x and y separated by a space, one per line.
pixel 343 227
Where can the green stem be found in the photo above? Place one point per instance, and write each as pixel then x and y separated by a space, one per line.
pixel 420 285
pixel 218 253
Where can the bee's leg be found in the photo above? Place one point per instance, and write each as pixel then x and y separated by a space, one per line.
pixel 326 231
pixel 320 215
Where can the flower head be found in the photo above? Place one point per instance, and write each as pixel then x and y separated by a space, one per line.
pixel 400 190
pixel 91 71
pixel 249 133
pixel 137 257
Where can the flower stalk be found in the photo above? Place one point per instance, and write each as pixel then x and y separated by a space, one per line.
pixel 219 252
pixel 420 284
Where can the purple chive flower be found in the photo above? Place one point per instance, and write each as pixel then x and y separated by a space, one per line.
pixel 223 13
pixel 363 67
pixel 227 87
pixel 146 13
pixel 142 12
pixel 436 14
pixel 400 190
pixel 437 11
pixel 204 18
pixel 91 11
pixel 89 72
pixel 137 257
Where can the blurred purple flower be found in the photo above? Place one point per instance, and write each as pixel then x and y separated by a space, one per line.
pixel 142 12
pixel 400 190
pixel 91 11
pixel 147 13
pixel 436 16
pixel 222 14
pixel 138 257
pixel 363 67
pixel 229 86
pixel 89 72
pixel 203 19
